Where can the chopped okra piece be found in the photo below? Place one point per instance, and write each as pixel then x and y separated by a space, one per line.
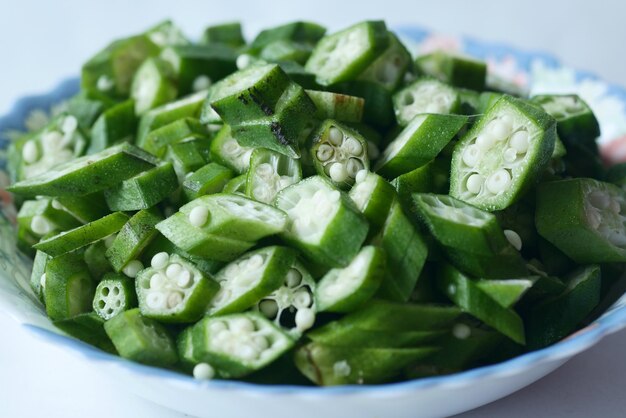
pixel 248 279
pixel 227 151
pixel 40 217
pixel 117 124
pixel 68 287
pixel 430 178
pixel 505 264
pixel 284 50
pixel 82 236
pixel 181 130
pixel 89 328
pixel 339 153
pixel 154 84
pixel 86 208
pixel 334 334
pixel 236 185
pixel 323 222
pixel 373 196
pixel 238 344
pixel 424 95
pixel 134 236
pixel 86 108
pixel 328 365
pixel 37 277
pixel 378 108
pixel 348 288
pixel 187 157
pixel 390 67
pixel 292 305
pixel 228 34
pixel 303 32
pixel 419 142
pixel 141 339
pixel 500 158
pixel 343 55
pixel 458 70
pixel 88 174
pixel 144 190
pixel 471 298
pixel 337 106
pixel 584 218
pixel 184 347
pixel 173 289
pixel 209 179
pixel 166 33
pixel 269 173
pixel 113 295
pixel 506 292
pixel 95 257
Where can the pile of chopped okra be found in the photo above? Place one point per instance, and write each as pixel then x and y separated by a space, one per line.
pixel 313 207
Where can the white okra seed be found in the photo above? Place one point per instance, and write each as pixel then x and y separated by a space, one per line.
pixel 264 170
pixel 108 241
pixel 338 172
pixel 519 141
pixel 203 371
pixel 293 278
pixel 499 181
pixel 335 136
pixel 246 351
pixel 471 155
pixel 499 129
pixel 70 124
pixel 199 216
pixel 353 166
pixel 514 239
pixel 509 155
pixel 30 152
pixel 485 141
pixel 241 325
pixel 302 299
pixel 217 326
pixel 269 308
pixel 231 147
pixel 40 225
pixel 305 318
pixel 174 299
pixel 173 270
pixel 243 61
pixel 325 152
pixel 260 342
pixel 133 268
pixel 56 205
pixel 334 196
pixel 255 262
pixel 352 146
pixel 262 193
pixel 475 183
pixel 461 331
pixel 104 83
pixel 155 300
pixel 159 260
pixel 157 281
pixel 599 199
pixel 184 279
pixel 361 176
pixel 202 82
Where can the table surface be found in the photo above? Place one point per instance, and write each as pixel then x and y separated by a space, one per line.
pixel 43 42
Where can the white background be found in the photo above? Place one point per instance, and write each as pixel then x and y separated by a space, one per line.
pixel 42 42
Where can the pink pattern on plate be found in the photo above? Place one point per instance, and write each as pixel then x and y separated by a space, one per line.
pixel 614 152
pixel 440 42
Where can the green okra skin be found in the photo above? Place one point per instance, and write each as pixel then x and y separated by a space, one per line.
pixel 166 33
pixel 465 293
pixel 40 217
pixel 141 339
pixel 419 142
pixel 269 173
pixel 86 208
pixel 299 75
pixel 229 34
pixel 341 107
pixel 95 257
pixel 583 218
pixel 373 196
pixel 248 279
pixel 181 130
pixel 323 222
pixel 174 290
pixel 502 155
pixel 554 261
pixel 144 190
pixel 346 289
pixel 114 294
pixel 390 67
pixel 115 125
pixel 555 318
pixel 457 70
pixel 184 347
pixel 519 219
pixel 209 179
pixel 433 177
pixel 228 152
pixel 86 108
pixel 506 292
pixel 469 102
pixel 327 365
pixel 133 237
pixel 338 153
pixel 424 95
pixel 238 344
pixel 187 157
pixel 68 287
pixel 88 174
pixel 378 109
pixel 285 50
pixel 506 264
pixel 89 328
pixel 406 254
pixel 343 55
pixel 37 277
pixel 236 185
pixel 153 85
pixel 301 31
pixel 333 334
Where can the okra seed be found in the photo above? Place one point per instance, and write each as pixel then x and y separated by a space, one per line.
pixel 231 147
pixel 243 61
pixel 594 218
pixel 104 83
pixel 475 183
pixel 499 181
pixel 217 326
pixel 599 200
pixel 265 170
pixel 30 152
pixel 471 155
pixel 199 216
pixel 260 342
pixel 51 141
pixel 40 225
pixel 334 196
pixel 451 289
pixel 56 205
pixel 241 325
pixel 335 136
pixel 614 206
pixel 246 352
pixel 325 152
pixel 160 260
pixel 338 172
pixel 434 108
pixel 499 129
pixel 255 262
pixel 133 268
pixel 509 155
pixel 618 238
pixel 353 166
pixel 514 239
pixel 201 83
pixel 352 146
pixel 520 141
pixel 203 371
pixel 361 176
pixel 293 278
pixel 155 300
pixel 269 308
pixel 184 279
pixel 461 331
pixel 174 299
pixel 69 125
pixel 108 241
pixel 341 369
pixel 157 282
pixel 232 270
pixel 305 318
pixel 42 280
pixel 485 141
pixel 262 193
pixel 173 271
pixel 302 299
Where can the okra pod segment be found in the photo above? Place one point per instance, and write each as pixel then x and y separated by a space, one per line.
pixel 166 33
pixel 390 67
pixel 307 33
pixel 187 157
pixel 228 34
pixel 209 179
pixel 67 286
pixel 373 196
pixel 116 125
pixel 37 277
pixel 181 130
pixel 154 84
pixel 41 217
pixel 236 185
pixel 424 95
pixel 269 173
pixel 228 152
pixel 113 295
pixel 455 69
pixel 341 107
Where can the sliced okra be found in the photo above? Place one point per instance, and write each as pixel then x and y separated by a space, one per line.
pixel 269 173
pixel 303 32
pixel 334 334
pixel 37 277
pixel 87 327
pixel 181 130
pixel 117 124
pixel 390 67
pixel 83 235
pixel 327 365
pixel 166 33
pixel 468 296
pixel 430 178
pixel 584 218
pixel 173 289
pixel 144 190
pixel 228 34
pixel 227 151
pixel 323 222
pixel 455 69
pixel 373 196
pixel 187 157
pixel 40 217
pixel 285 50
pixel 238 344
pixel 505 264
pixel 496 162
pixel 134 236
pixel 378 109
pixel 68 287
pixel 340 107
pixel 141 339
pixel 339 153
pixel 153 85
pixel 236 185
pixel 88 174
pixel 113 295
pixel 86 208
pixel 419 142
pixel 506 292
pixel 95 257
pixel 469 102
pixel 209 179
pixel 86 108
pixel 184 347
pixel 424 95
pixel 348 288
pixel 343 55
pixel 298 74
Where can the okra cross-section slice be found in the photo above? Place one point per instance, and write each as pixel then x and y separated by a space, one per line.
pixel 417 144
pixel 236 185
pixel 424 95
pixel 337 106
pixel 238 344
pixel 82 236
pixel 346 289
pixel 141 339
pixel 323 222
pixel 502 155
pixel 68 287
pixel 114 294
pixel 227 151
pixel 269 173
pixel 207 180
pixel 584 218
pixel 134 236
pixel 88 174
pixel 245 281
pixel 343 55
pixel 373 196
pixel 339 153
pixel 292 305
pixel 390 67
pixel 172 289
pixel 153 85
pixel 41 217
pixel 458 70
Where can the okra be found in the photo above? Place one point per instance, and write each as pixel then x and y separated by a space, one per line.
pixel 89 328
pixel 500 158
pixel 228 152
pixel 506 264
pixel 181 130
pixel 269 173
pixel 113 295
pixel 334 334
pixel 455 69
pixel 430 178
pixel 378 108
pixel 37 277
pixel 506 292
pixel 373 196
pixel 40 217
pixel 166 33
pixel 236 185
pixel 116 125
pixel 153 85
pixel 340 107
pixel 228 34
pixel 68 287
pixel 187 157
pixel 324 224
pixel 134 236
pixel 95 257
pixel 86 208
pixel 86 108
pixel 301 32
pixel 141 339
pixel 285 50
pixel 424 95
pixel 209 179
pixel 390 67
